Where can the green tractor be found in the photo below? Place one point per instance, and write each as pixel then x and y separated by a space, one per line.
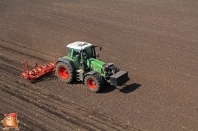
pixel 81 64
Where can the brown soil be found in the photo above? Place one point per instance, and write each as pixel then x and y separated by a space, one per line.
pixel 155 41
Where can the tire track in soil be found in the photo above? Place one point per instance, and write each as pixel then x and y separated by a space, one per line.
pixel 75 112
pixel 26 120
pixel 13 63
pixel 16 50
pixel 17 45
pixel 21 118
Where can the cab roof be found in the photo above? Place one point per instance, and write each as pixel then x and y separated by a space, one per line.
pixel 79 45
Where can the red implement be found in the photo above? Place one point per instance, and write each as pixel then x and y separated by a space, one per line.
pixel 38 71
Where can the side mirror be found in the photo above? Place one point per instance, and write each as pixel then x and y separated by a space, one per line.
pixel 98 46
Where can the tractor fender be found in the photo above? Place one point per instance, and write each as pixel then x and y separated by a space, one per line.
pixel 69 62
pixel 89 73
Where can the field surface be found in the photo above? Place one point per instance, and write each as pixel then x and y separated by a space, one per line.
pixel 156 41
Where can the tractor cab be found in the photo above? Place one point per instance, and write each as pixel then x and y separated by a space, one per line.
pixel 80 52
pixel 78 49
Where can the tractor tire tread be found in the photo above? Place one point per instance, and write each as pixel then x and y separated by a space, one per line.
pixel 99 82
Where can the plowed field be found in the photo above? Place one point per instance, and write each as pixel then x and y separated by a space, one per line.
pixel 155 41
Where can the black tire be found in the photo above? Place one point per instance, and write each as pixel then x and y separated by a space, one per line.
pixel 64 72
pixel 94 83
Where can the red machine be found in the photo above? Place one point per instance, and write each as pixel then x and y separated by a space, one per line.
pixel 38 71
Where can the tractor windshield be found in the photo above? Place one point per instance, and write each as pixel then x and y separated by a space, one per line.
pixel 72 53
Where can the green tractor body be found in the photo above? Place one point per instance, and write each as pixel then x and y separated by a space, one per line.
pixel 81 64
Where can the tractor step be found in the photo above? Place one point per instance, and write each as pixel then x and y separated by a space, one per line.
pixel 79 74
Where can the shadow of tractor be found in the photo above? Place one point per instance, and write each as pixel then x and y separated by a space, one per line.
pixel 125 89
pixel 130 88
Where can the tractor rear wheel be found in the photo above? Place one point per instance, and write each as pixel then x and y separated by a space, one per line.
pixel 94 83
pixel 64 72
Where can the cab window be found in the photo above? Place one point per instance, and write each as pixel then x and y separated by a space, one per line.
pixel 76 52
pixel 89 52
pixel 69 52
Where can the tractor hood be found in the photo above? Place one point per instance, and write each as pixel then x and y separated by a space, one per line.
pixel 95 64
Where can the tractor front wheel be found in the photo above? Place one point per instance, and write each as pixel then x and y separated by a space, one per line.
pixel 93 82
pixel 64 72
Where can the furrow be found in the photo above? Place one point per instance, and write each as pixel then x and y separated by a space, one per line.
pixel 35 109
pixel 16 105
pixel 19 52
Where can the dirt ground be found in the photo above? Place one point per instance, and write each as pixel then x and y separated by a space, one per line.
pixel 155 41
